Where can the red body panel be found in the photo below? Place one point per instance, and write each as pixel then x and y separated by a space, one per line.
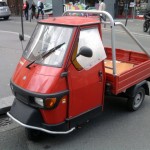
pixel 44 80
pixel 39 79
pixel 87 89
pixel 55 116
pixel 138 73
pixel 71 20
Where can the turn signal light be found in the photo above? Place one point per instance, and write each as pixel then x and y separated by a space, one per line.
pixel 50 102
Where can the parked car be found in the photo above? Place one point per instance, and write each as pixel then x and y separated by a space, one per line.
pixel 4 10
pixel 48 8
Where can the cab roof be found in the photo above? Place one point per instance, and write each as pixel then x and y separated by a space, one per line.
pixel 71 20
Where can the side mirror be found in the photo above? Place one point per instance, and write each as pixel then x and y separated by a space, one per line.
pixel 85 51
pixel 21 37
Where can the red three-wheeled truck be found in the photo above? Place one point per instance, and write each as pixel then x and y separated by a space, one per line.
pixel 65 72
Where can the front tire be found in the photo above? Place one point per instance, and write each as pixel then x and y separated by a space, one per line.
pixel 6 18
pixel 145 26
pixel 32 135
pixel 134 103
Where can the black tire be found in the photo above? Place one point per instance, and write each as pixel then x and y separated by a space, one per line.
pixel 6 18
pixel 134 103
pixel 145 26
pixel 32 135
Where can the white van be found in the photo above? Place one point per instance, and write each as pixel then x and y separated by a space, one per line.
pixel 4 10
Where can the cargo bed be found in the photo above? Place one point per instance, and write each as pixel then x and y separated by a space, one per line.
pixel 131 68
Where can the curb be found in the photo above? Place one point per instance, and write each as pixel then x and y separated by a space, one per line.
pixel 5 104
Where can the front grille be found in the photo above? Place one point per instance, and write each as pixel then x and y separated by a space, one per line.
pixel 24 98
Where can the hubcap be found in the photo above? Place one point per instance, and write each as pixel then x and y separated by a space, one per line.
pixel 138 100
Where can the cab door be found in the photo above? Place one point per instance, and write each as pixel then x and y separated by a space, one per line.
pixel 86 76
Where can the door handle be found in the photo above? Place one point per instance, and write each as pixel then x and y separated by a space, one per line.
pixel 100 74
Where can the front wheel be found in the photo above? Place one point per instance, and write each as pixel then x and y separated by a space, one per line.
pixel 134 103
pixel 145 26
pixel 32 135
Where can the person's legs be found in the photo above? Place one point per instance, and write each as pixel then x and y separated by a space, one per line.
pixel 42 14
pixel 27 15
pixel 38 13
pixel 31 16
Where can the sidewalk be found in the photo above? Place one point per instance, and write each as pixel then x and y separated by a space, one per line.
pixel 18 19
pixel 134 25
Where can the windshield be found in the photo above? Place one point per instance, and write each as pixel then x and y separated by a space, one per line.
pixel 2 4
pixel 46 37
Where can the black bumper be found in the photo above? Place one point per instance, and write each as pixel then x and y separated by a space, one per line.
pixel 31 117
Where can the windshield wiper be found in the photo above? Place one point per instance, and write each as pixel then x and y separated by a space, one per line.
pixel 45 54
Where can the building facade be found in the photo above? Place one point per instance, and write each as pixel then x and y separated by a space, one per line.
pixel 117 8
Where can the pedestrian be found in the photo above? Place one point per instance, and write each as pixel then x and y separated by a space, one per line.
pixel 33 9
pixel 121 7
pixel 102 7
pixel 40 6
pixel 26 9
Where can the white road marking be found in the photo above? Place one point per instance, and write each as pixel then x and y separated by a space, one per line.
pixel 16 33
pixel 134 33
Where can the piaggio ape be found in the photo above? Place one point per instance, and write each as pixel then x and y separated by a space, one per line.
pixel 65 72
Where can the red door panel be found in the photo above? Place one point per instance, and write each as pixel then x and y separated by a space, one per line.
pixel 86 89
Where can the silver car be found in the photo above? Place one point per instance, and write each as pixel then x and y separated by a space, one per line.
pixel 4 11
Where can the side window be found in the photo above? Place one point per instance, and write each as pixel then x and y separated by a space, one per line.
pixel 89 38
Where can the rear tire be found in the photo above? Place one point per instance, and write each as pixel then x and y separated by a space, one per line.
pixel 145 26
pixel 32 135
pixel 134 103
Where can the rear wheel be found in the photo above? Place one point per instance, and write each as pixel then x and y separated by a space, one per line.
pixel 32 135
pixel 145 26
pixel 134 103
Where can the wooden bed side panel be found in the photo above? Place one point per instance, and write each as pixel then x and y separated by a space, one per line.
pixel 127 56
pixel 133 76
pixel 120 83
pixel 120 54
pixel 137 58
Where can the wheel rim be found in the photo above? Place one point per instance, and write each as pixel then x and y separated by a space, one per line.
pixel 138 100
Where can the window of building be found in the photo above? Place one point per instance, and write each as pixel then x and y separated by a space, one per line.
pixel 141 6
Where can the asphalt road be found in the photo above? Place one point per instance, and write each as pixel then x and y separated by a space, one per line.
pixel 115 129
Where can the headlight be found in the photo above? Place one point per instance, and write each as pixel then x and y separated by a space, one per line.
pixel 39 101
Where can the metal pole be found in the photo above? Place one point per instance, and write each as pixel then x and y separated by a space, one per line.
pixel 22 27
pixel 131 35
pixel 126 13
pixel 134 9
